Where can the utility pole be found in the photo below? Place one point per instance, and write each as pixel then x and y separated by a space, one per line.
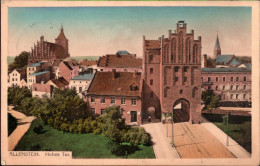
pixel 227 127
pixel 172 132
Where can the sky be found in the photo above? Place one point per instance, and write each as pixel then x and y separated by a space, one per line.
pixel 97 31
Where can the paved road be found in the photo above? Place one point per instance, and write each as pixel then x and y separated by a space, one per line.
pixel 24 124
pixel 195 141
pixel 162 147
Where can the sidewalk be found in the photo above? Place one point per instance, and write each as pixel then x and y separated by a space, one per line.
pixel 234 147
pixel 24 124
pixel 161 144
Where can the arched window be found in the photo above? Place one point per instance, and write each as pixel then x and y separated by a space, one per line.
pixel 187 50
pixel 166 91
pixel 194 92
pixel 195 53
pixel 173 52
pixel 166 53
pixel 180 47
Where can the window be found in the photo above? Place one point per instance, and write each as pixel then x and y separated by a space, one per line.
pixel 133 116
pixel 151 70
pixel 231 79
pixel 237 78
pixel 244 87
pixel 231 87
pixel 224 79
pixel 223 88
pixel 185 79
pixel 176 69
pixel 151 82
pixel 185 69
pixel 216 87
pixel 102 100
pixel 102 111
pixel 201 79
pixel 113 101
pixel 244 96
pixel 151 94
pixel 80 89
pixel 35 89
pixel 176 79
pixel 133 101
pixel 209 79
pixel 29 69
pixel 101 69
pixel 73 81
pixel 123 100
pixel 237 87
pixel 244 78
pixel 151 58
pixel 216 79
pixel 236 96
pixel 93 111
pixel 181 91
pixel 209 87
pixel 13 79
pixel 231 96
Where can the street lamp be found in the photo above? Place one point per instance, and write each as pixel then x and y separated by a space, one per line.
pixel 172 131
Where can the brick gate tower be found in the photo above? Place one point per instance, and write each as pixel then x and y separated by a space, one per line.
pixel 172 75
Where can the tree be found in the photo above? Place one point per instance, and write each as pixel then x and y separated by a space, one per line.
pixel 210 100
pixel 19 61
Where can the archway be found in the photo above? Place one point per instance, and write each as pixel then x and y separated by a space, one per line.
pixel 181 110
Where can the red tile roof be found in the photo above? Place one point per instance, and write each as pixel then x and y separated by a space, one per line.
pixel 60 82
pixel 119 61
pixel 87 63
pixel 41 87
pixel 70 64
pixel 153 44
pixel 116 84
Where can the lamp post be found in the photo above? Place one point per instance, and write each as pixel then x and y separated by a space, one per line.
pixel 172 131
pixel 227 127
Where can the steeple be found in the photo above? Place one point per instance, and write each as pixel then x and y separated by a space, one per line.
pixel 61 35
pixel 217 49
pixel 62 40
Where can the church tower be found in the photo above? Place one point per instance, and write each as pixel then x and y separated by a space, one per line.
pixel 62 40
pixel 217 49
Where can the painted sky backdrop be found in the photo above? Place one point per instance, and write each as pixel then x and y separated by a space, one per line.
pixel 97 31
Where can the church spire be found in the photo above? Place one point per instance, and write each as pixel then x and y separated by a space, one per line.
pixel 61 35
pixel 217 49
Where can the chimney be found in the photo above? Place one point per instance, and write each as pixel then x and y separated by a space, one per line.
pixel 42 82
pixel 113 74
pixel 134 74
pixel 205 60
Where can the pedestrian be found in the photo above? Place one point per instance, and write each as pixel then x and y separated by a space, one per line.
pixel 149 118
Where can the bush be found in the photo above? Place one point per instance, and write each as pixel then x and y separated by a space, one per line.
pixel 38 129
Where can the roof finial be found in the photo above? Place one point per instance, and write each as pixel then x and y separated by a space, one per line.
pixel 61 29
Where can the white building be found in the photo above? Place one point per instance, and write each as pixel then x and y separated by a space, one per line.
pixel 81 82
pixel 17 78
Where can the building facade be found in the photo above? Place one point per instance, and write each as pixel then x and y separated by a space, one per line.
pixel 172 70
pixel 47 51
pixel 17 78
pixel 232 84
pixel 38 77
pixel 68 70
pixel 122 89
pixel 81 83
pixel 40 90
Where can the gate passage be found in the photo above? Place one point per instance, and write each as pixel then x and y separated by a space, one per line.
pixel 181 111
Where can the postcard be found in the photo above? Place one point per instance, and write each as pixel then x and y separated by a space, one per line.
pixel 130 83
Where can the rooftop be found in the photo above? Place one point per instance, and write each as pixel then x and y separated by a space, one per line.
pixel 119 61
pixel 122 52
pixel 153 44
pixel 117 84
pixel 88 76
pixel 224 58
pixel 223 70
pixel 36 64
pixel 38 73
pixel 70 64
pixel 60 82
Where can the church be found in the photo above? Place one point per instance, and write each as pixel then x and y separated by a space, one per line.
pixel 47 51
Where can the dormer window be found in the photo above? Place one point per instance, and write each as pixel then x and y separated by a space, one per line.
pixel 133 87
